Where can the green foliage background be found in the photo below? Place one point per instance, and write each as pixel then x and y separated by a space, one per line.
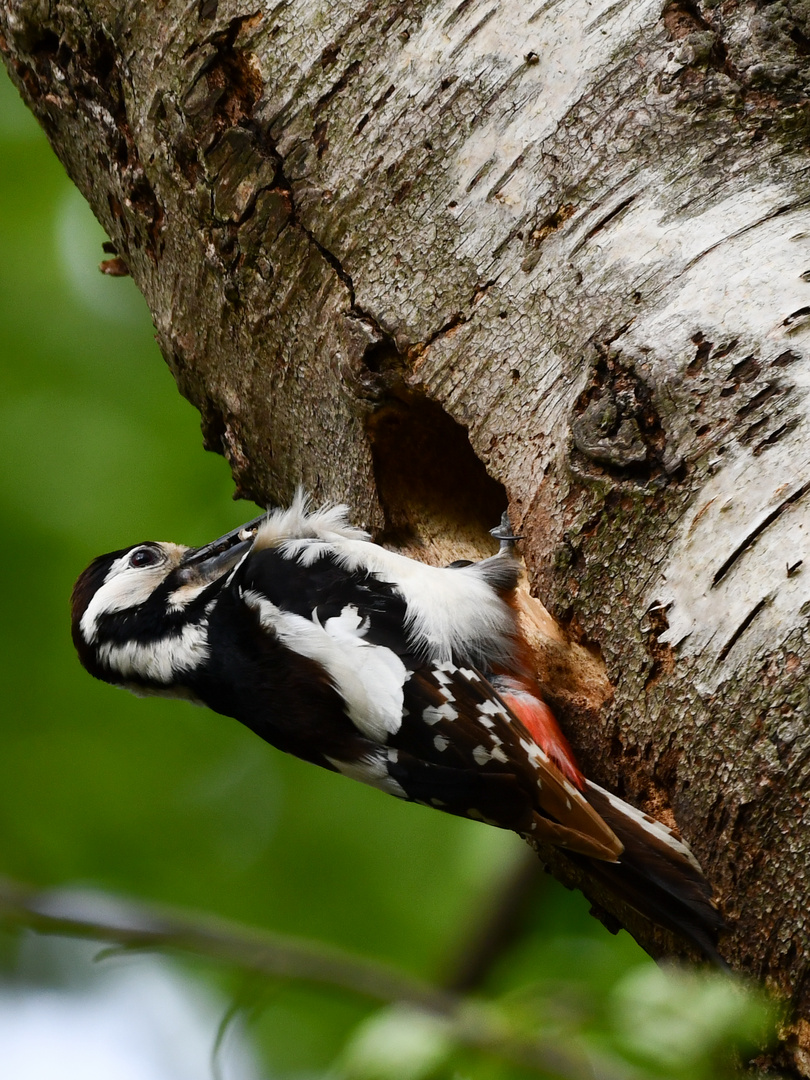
pixel 158 799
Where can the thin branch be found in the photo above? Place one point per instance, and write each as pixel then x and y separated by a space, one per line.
pixel 498 927
pixel 130 925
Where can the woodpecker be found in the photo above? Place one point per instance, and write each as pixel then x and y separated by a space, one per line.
pixel 409 677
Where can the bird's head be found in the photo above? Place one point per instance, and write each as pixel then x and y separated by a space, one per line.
pixel 139 614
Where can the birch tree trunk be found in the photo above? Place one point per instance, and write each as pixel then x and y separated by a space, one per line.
pixel 427 256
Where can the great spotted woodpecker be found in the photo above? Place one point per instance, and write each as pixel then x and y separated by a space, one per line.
pixel 409 677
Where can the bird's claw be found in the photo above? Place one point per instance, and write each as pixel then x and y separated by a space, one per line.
pixel 503 532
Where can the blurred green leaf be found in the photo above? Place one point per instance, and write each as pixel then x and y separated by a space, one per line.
pixel 397 1043
pixel 682 1023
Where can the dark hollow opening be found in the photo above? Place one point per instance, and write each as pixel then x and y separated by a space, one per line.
pixel 433 488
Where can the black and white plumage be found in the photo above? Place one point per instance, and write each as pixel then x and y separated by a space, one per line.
pixel 408 677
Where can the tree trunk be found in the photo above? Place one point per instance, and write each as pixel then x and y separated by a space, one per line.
pixel 425 257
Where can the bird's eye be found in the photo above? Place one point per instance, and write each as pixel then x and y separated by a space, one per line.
pixel 144 557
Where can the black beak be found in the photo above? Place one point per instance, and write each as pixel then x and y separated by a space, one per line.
pixel 215 559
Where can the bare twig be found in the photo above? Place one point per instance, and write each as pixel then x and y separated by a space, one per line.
pixel 131 925
pixel 498 926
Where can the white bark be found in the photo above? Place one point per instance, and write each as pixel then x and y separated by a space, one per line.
pixel 579 230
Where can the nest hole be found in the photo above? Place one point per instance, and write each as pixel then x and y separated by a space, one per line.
pixel 438 499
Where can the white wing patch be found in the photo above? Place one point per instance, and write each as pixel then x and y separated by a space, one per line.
pixel 492 708
pixel 482 755
pixel 432 714
pixel 349 626
pixel 369 678
pixel 328 524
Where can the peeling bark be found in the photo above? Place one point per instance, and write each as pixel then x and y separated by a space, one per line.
pixel 428 257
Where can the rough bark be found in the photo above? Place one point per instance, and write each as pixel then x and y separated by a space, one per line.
pixel 425 256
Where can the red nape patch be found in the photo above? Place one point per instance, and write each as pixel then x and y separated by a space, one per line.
pixel 538 719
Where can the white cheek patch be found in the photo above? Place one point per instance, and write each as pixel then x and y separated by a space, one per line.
pixel 369 678
pixel 161 661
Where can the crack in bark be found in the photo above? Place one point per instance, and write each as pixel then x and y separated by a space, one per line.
pixel 485 18
pixel 605 221
pixel 268 148
pixel 756 532
pixel 763 395
pixel 336 87
pixel 738 633
pixel 777 212
pixel 775 436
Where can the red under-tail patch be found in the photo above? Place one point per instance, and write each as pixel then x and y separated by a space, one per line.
pixel 538 719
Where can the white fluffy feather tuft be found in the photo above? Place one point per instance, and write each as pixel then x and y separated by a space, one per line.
pixel 298 522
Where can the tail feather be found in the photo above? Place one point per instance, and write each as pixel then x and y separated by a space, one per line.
pixel 657 874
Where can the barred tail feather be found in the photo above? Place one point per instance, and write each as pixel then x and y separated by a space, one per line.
pixel 657 874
